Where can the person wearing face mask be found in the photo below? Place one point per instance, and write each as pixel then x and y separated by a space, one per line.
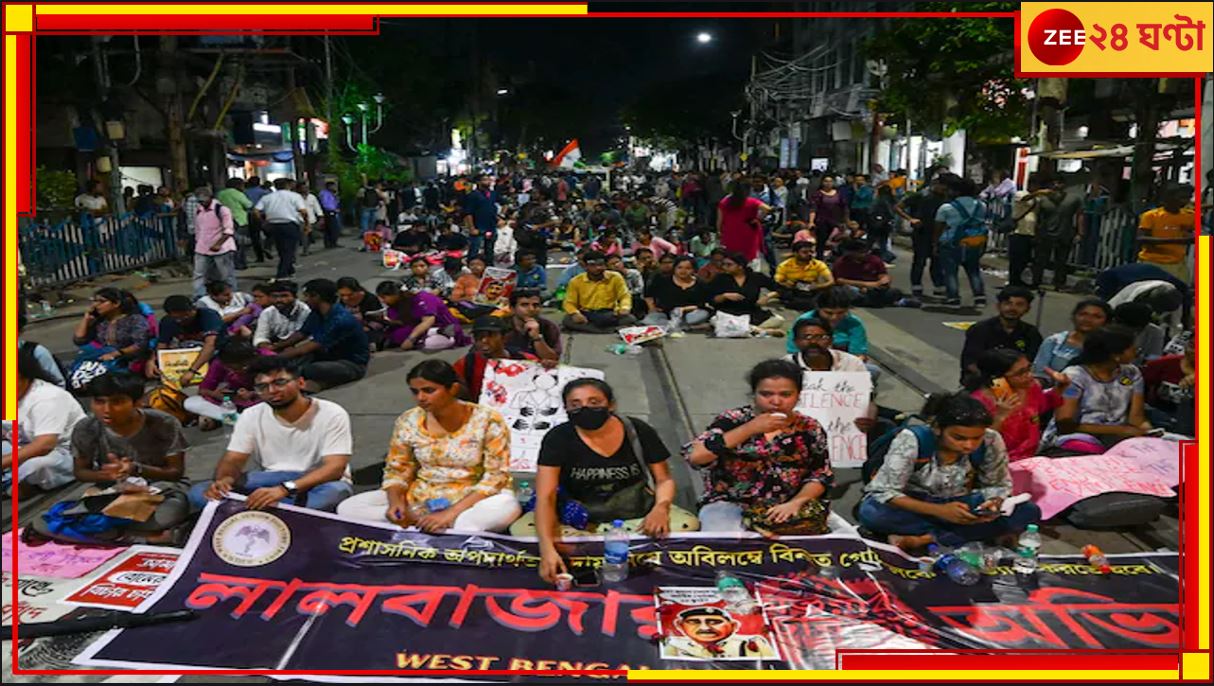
pixel 955 494
pixel 447 465
pixel 766 466
pixel 615 467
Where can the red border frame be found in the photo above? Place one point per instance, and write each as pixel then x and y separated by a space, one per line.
pixel 369 25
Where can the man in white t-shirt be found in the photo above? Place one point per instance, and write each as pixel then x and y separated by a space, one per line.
pixel 304 445
pixel 813 339
pixel 46 415
pixel 92 199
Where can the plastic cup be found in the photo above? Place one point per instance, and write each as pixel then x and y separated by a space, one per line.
pixel 564 582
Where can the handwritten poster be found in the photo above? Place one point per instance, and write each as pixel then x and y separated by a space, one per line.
pixel 529 398
pixel 133 578
pixel 837 400
pixel 495 288
pixel 55 560
pixel 697 624
pixel 173 363
pixel 1146 465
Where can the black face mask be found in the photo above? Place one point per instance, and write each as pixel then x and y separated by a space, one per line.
pixel 590 418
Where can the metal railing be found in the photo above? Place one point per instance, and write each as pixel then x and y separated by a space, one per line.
pixel 83 246
pixel 1113 229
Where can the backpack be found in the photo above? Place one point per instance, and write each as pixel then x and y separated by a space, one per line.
pixel 926 439
pixel 370 197
pixel 972 231
pixel 29 347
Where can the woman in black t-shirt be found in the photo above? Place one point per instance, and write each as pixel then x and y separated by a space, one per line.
pixel 739 291
pixel 592 460
pixel 679 295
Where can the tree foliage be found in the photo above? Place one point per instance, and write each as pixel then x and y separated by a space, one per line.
pixel 949 74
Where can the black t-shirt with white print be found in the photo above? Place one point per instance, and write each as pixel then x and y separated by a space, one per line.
pixel 586 475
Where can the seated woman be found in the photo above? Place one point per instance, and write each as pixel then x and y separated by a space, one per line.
pixel 365 307
pixel 114 331
pixel 767 464
pixel 227 377
pixel 952 497
pixel 124 441
pixel 418 321
pixel 422 278
pixel 1059 351
pixel 593 460
pixel 739 291
pixel 448 464
pixel 1016 401
pixel 239 311
pixel 678 296
pixel 1105 402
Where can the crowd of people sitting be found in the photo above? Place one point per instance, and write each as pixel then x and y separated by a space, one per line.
pixel 766 467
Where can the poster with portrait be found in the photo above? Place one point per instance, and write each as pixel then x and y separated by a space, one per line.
pixel 173 363
pixel 393 259
pixel 636 335
pixel 697 624
pixel 837 400
pixel 529 398
pixel 495 288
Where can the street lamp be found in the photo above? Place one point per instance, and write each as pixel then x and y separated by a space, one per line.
pixel 363 109
pixel 703 37
pixel 503 91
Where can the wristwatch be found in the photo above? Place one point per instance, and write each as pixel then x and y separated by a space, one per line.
pixel 290 486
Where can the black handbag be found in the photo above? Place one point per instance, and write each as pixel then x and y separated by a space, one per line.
pixel 632 502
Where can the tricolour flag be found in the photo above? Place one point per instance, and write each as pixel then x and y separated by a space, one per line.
pixel 568 155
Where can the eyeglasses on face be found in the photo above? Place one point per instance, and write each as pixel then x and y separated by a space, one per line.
pixel 277 383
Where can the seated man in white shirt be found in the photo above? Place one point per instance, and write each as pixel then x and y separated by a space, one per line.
pixel 304 445
pixel 278 324
pixel 46 416
pixel 813 339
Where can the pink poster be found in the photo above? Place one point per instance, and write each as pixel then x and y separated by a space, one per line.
pixel 54 560
pixel 1150 466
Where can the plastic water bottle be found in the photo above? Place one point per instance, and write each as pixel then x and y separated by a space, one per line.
pixel 230 415
pixel 957 569
pixel 731 588
pixel 524 492
pixel 615 553
pixel 928 563
pixel 676 322
pixel 1026 551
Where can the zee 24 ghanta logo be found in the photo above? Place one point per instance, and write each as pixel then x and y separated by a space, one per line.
pixel 1057 37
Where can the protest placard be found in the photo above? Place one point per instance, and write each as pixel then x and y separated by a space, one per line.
pixel 837 400
pixel 173 363
pixel 495 288
pixel 128 581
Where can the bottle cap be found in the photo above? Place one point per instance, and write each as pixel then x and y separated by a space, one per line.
pixel 618 523
pixel 1032 527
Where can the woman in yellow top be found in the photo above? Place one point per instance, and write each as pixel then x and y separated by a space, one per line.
pixel 448 464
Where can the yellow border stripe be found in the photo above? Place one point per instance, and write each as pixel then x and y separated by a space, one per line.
pixel 10 224
pixel 1049 675
pixel 19 18
pixel 1201 546
pixel 382 10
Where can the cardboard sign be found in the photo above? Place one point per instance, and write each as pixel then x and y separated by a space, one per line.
pixel 837 400
pixel 55 560
pixel 174 363
pixel 129 581
pixel 529 398
pixel 495 288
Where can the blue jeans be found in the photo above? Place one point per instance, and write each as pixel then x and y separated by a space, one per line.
pixel 965 257
pixel 475 245
pixel 324 497
pixel 366 219
pixel 885 519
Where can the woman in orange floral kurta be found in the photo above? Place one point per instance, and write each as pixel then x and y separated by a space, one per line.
pixel 448 450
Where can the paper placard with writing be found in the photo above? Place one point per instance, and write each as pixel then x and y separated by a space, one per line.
pixel 837 400
pixel 174 363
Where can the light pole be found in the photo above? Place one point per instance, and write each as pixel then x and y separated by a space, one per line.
pixel 363 109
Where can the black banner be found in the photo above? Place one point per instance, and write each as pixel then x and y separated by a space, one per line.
pixel 293 589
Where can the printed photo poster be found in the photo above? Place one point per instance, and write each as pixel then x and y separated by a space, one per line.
pixel 697 624
pixel 635 335
pixel 837 400
pixel 133 578
pixel 393 259
pixel 529 398
pixel 173 363
pixel 495 288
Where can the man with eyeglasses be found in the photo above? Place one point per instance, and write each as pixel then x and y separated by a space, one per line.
pixel 813 339
pixel 1007 330
pixel 304 445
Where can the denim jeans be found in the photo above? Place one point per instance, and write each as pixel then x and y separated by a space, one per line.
pixel 286 240
pixel 923 245
pixel 213 268
pixel 366 219
pixel 324 496
pixel 964 257
pixel 885 519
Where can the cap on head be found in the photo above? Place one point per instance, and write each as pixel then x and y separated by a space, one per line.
pixel 489 324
